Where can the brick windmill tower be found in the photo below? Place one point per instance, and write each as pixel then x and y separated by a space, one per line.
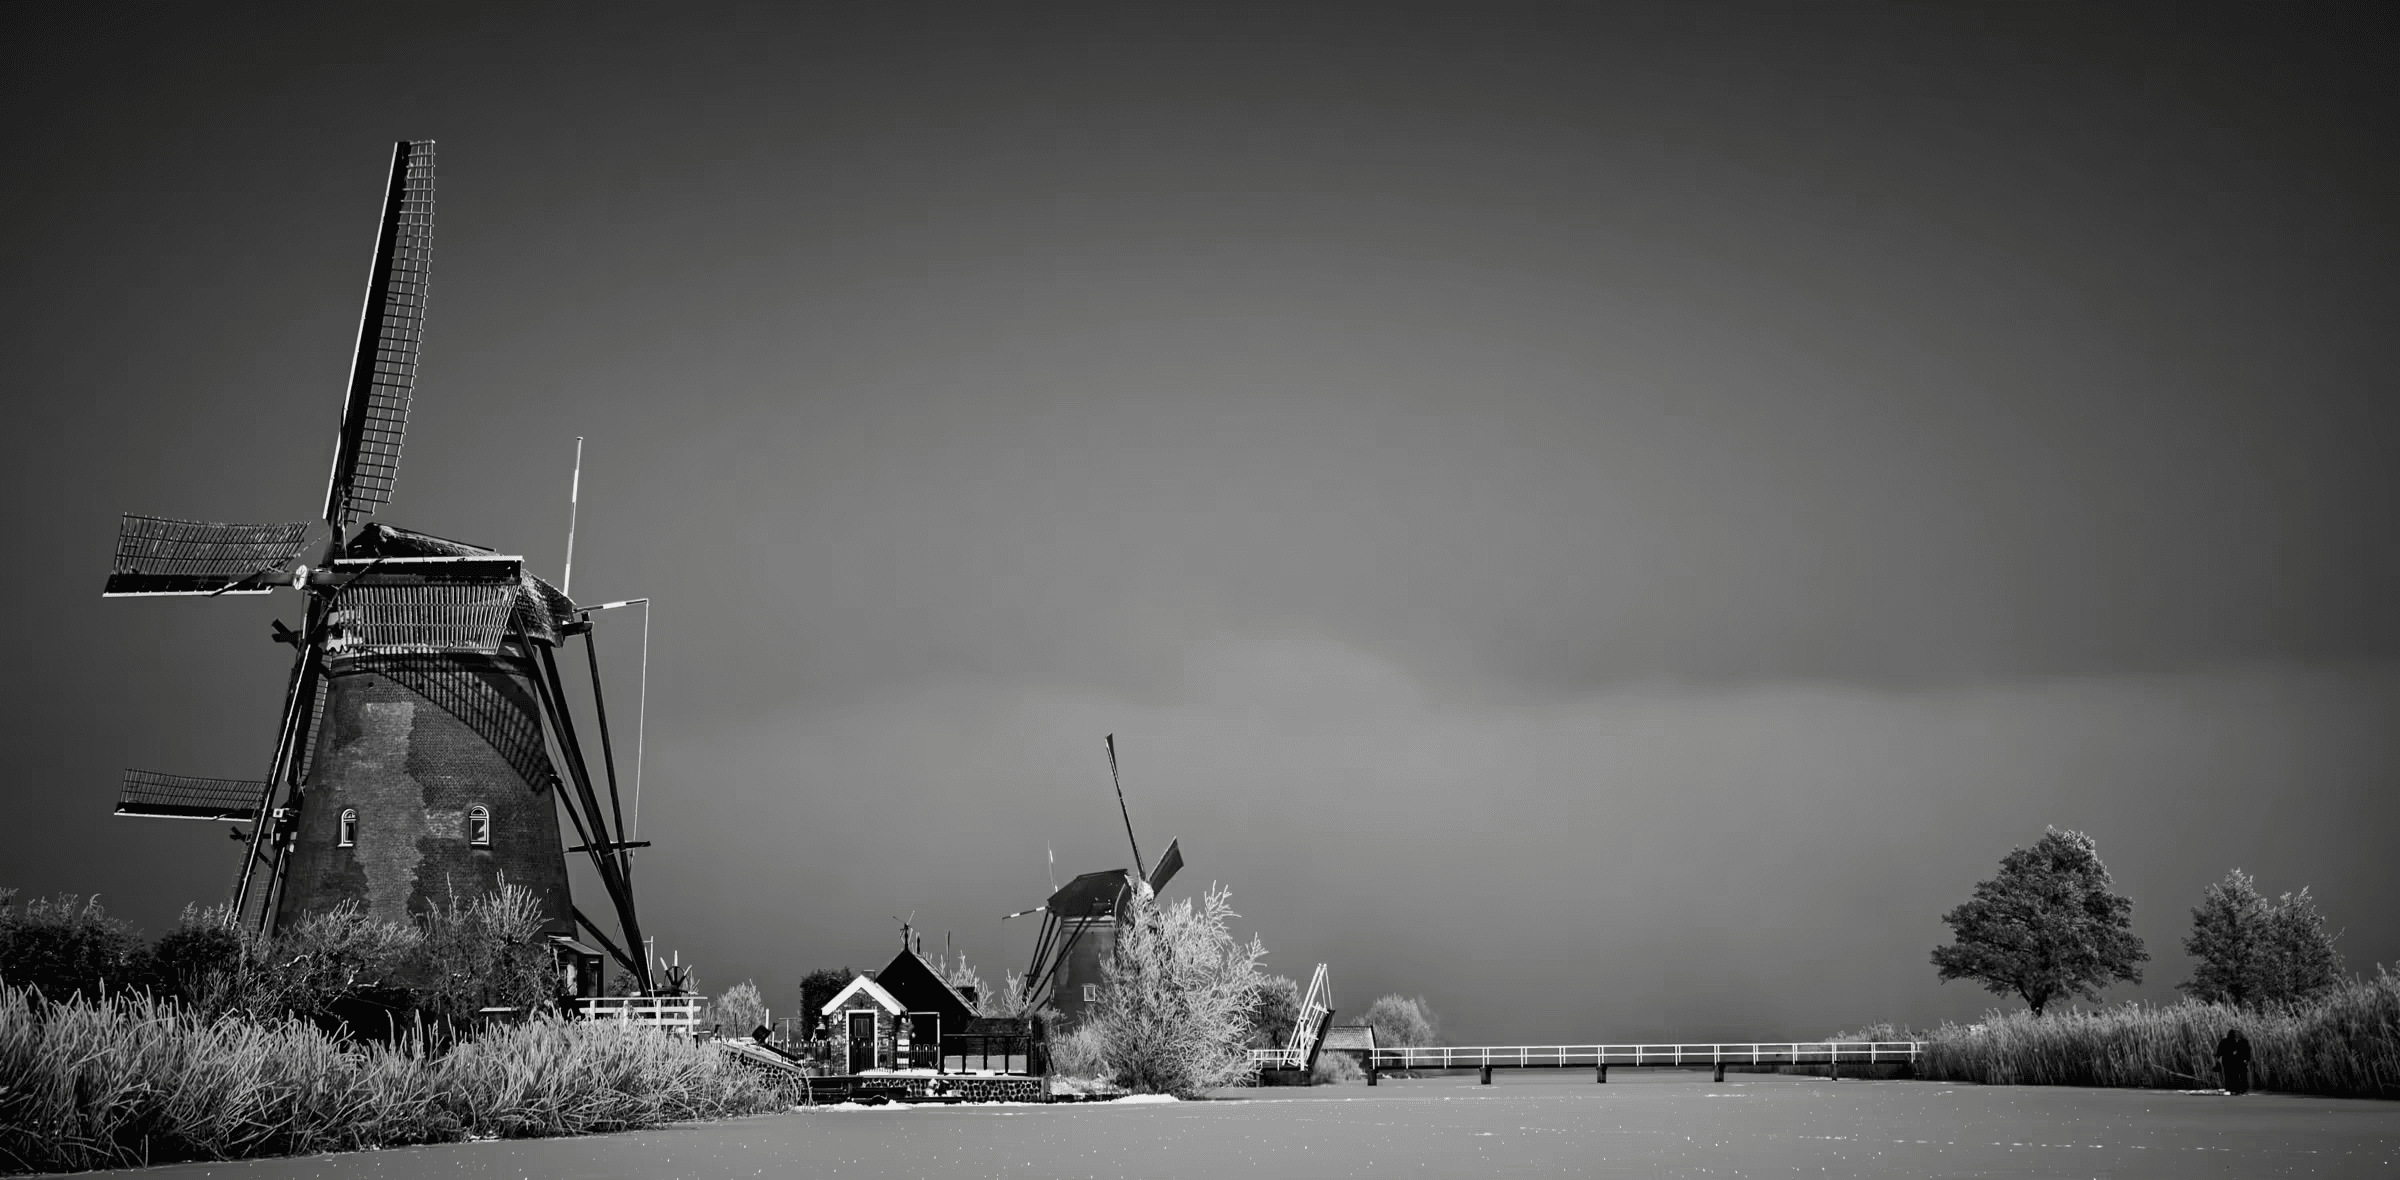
pixel 425 726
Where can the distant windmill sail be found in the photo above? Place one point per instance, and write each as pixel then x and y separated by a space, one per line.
pixel 1121 808
pixel 1167 865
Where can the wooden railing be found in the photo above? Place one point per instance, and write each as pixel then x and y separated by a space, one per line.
pixel 680 1014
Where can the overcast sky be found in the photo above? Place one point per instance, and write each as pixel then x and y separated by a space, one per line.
pixel 1612 518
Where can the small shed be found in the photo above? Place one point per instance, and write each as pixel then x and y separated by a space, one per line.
pixel 1355 1040
pixel 864 1021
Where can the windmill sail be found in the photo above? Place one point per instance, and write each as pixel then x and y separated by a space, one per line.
pixel 163 555
pixel 180 796
pixel 383 371
pixel 1167 865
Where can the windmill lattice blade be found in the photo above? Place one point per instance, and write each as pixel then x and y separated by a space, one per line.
pixel 383 370
pixel 419 605
pixel 182 796
pixel 1021 913
pixel 1168 864
pixel 162 555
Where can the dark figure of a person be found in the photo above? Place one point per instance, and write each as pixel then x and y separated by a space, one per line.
pixel 2233 1060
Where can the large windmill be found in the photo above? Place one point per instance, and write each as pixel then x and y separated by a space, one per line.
pixel 424 723
pixel 1081 918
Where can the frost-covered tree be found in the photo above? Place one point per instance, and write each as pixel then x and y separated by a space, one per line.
pixel 740 1010
pixel 1400 1020
pixel 2301 962
pixel 2051 925
pixel 1176 1008
pixel 2249 950
pixel 486 951
pixel 2228 927
pixel 1278 1011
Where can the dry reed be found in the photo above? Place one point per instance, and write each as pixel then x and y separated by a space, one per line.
pixel 128 1080
pixel 2343 1044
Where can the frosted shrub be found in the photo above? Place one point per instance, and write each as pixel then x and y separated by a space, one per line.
pixel 1175 1013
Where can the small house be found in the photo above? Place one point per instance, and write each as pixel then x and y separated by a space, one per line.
pixel 863 1021
pixel 896 1018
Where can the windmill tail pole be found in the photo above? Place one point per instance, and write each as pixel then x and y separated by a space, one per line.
pixel 1138 870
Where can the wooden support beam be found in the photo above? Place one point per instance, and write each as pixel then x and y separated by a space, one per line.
pixel 613 844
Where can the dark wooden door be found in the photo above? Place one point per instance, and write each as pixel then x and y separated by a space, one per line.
pixel 924 1040
pixel 862 1042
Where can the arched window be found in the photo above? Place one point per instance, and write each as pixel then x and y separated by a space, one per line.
pixel 349 832
pixel 479 826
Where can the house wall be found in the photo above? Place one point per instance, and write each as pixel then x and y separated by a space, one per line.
pixel 886 1032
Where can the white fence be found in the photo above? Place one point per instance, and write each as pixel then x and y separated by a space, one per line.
pixel 680 1014
pixel 1695 1056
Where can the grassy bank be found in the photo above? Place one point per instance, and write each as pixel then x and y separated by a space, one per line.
pixel 2345 1044
pixel 129 1080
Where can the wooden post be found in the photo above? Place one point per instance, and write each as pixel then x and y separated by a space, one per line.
pixel 1603 1078
pixel 1720 1071
pixel 1371 1071
pixel 1487 1075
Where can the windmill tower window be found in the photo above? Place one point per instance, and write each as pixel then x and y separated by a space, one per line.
pixel 348 835
pixel 479 826
pixel 1091 993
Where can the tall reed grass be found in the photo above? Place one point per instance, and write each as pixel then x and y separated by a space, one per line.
pixel 2343 1044
pixel 128 1080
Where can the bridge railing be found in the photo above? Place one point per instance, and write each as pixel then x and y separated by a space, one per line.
pixel 1690 1055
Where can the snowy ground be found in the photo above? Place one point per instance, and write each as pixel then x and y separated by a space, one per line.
pixel 1538 1124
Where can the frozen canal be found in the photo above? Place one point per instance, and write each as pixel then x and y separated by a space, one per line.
pixel 1639 1124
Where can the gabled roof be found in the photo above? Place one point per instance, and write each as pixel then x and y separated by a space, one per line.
pixel 873 992
pixel 913 981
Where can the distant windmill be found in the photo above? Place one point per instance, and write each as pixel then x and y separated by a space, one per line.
pixel 414 755
pixel 1080 920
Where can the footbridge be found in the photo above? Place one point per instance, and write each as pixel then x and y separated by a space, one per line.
pixel 1598 1058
